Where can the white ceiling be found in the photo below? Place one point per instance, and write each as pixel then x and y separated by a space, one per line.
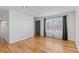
pixel 37 11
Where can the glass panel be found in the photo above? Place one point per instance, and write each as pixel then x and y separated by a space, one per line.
pixel 54 27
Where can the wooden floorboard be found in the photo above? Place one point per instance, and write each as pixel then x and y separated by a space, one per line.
pixel 38 44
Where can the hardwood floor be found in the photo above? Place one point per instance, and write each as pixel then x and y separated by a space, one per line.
pixel 38 45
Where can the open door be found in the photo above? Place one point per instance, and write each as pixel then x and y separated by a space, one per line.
pixel 37 27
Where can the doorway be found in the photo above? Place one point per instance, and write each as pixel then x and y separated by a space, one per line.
pixel 37 28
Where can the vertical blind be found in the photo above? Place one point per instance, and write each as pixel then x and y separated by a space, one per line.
pixel 54 27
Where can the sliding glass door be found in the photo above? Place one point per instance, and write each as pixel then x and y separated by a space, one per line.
pixel 54 27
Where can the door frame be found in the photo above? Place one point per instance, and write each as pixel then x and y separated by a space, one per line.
pixel 39 26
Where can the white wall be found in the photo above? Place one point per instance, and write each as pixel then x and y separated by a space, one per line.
pixel 21 26
pixel 42 27
pixel 71 26
pixel 77 28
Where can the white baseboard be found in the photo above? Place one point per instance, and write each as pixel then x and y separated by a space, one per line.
pixel 21 39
